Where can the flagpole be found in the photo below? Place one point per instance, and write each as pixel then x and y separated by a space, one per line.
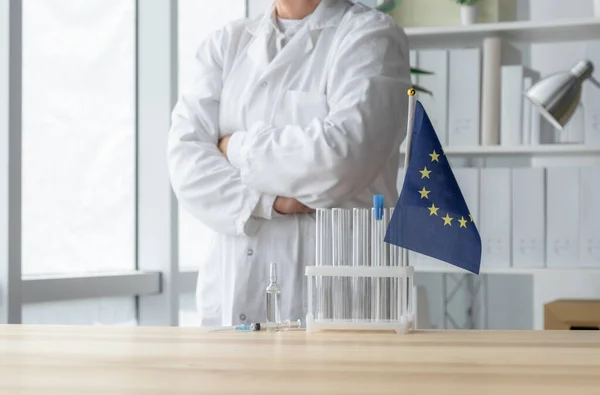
pixel 410 126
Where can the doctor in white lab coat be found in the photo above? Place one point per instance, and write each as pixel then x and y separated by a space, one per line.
pixel 303 108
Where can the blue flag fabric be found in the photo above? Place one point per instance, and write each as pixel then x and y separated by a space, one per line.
pixel 431 217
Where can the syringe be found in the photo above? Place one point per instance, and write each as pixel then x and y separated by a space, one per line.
pixel 257 326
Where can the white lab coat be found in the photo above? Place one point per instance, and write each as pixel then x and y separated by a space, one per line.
pixel 321 122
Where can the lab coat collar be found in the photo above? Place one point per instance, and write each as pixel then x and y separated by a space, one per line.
pixel 328 13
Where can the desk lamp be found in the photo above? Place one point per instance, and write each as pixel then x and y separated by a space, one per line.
pixel 557 96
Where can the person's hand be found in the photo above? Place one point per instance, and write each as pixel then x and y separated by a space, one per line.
pixel 223 143
pixel 285 205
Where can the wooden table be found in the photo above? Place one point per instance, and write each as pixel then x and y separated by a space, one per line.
pixel 110 360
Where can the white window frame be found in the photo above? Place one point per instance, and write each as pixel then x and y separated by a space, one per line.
pixel 10 165
pixel 103 285
pixel 157 215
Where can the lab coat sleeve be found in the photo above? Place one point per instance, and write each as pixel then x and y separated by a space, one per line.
pixel 201 176
pixel 332 159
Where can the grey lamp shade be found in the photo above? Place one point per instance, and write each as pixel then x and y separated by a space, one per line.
pixel 557 96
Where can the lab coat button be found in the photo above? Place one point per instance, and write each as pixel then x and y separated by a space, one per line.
pixel 250 252
pixel 263 84
pixel 243 317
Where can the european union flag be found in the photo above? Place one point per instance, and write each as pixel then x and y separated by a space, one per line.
pixel 431 216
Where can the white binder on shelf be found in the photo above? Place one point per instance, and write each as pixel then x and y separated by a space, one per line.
pixel 527 127
pixel 548 133
pixel 530 130
pixel 528 217
pixel 514 123
pixel 591 99
pixel 536 126
pixel 435 61
pixel 562 214
pixel 495 213
pixel 464 97
pixel 590 216
pixel 574 131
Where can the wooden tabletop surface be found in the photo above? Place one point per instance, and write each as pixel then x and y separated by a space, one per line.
pixel 110 360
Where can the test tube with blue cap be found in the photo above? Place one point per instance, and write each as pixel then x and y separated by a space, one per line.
pixel 378 207
pixel 379 288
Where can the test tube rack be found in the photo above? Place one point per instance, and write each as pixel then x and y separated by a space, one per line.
pixel 358 282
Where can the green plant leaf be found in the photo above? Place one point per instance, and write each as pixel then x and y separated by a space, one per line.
pixel 389 5
pixel 466 2
pixel 414 70
pixel 422 90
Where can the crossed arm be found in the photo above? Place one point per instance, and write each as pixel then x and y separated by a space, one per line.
pixel 292 169
pixel 282 205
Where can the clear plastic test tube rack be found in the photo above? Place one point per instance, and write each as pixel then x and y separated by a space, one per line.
pixel 359 282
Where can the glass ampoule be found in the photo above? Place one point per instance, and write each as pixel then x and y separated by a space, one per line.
pixel 273 299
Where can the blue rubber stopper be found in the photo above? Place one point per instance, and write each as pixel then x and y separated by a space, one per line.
pixel 378 206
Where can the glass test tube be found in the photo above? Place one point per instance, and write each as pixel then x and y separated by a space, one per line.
pixel 323 258
pixel 405 296
pixel 379 257
pixel 361 286
pixel 395 282
pixel 342 248
pixel 409 298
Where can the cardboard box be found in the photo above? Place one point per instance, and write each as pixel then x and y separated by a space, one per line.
pixel 572 315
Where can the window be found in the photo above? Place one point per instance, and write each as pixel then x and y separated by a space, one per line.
pixel 197 19
pixel 78 136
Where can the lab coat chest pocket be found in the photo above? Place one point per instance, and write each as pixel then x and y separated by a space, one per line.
pixel 300 108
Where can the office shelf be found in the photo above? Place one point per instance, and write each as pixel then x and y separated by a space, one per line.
pixel 448 37
pixel 523 150
pixel 507 270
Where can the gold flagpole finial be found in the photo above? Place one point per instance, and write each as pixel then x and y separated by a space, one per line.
pixel 411 92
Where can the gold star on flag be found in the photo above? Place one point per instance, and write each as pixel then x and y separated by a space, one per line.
pixel 471 217
pixel 434 156
pixel 425 173
pixel 433 210
pixel 447 220
pixel 463 222
pixel 424 193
